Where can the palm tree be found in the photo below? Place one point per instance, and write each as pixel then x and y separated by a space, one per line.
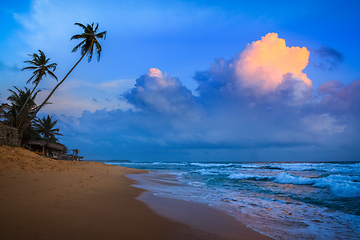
pixel 75 154
pixel 87 46
pixel 90 41
pixel 20 99
pixel 40 67
pixel 39 64
pixel 45 127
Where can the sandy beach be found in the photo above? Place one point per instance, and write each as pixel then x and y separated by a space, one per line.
pixel 41 198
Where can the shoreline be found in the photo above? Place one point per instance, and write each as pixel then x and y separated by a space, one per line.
pixel 43 198
pixel 200 216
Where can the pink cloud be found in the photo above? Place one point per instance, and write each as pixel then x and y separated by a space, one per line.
pixel 265 71
pixel 264 64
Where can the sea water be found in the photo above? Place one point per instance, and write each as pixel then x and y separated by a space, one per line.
pixel 280 200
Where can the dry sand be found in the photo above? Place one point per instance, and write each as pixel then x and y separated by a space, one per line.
pixel 41 198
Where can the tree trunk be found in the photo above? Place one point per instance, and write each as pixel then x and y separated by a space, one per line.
pixel 21 118
pixel 23 127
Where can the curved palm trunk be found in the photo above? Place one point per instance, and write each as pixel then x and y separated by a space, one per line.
pixel 26 124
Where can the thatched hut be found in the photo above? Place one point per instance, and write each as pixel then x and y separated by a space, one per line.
pixel 53 150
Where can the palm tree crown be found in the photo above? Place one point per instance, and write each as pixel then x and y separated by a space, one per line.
pixel 45 126
pixel 39 64
pixel 90 41
pixel 18 98
pixel 21 99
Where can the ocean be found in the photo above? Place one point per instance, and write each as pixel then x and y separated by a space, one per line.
pixel 280 200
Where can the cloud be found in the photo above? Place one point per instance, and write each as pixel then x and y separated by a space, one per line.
pixel 75 96
pixel 324 122
pixel 265 70
pixel 330 87
pixel 331 57
pixel 263 63
pixel 260 101
pixel 339 99
pixel 5 67
pixel 160 92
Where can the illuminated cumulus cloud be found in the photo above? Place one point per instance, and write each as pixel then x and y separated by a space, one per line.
pixel 264 68
pixel 263 64
pixel 160 92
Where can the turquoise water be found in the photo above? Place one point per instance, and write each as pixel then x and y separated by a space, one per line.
pixel 281 200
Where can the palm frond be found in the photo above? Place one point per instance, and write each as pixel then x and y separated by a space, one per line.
pixel 78 46
pixel 80 25
pixel 101 35
pixel 98 48
pixel 53 75
pixel 90 52
pixel 26 68
pixel 53 66
pixel 77 36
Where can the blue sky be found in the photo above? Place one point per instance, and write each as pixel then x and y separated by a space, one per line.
pixel 196 80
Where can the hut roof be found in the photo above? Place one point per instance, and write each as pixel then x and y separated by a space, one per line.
pixel 55 146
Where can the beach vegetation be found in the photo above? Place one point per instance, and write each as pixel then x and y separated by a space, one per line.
pixel 40 65
pixel 75 154
pixel 89 42
pixel 45 126
pixel 21 110
pixel 19 99
pixel 12 115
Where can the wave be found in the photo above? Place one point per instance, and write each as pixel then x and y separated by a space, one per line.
pixel 212 164
pixel 169 163
pixel 249 176
pixel 288 166
pixel 286 178
pixel 295 167
pixel 341 186
pixel 211 171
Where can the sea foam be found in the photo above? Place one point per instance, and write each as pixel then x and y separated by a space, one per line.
pixel 248 176
pixel 322 202
pixel 342 186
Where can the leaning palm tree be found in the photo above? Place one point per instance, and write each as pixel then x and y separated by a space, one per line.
pixel 90 38
pixel 39 64
pixel 45 127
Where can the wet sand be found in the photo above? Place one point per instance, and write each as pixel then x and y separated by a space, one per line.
pixel 41 198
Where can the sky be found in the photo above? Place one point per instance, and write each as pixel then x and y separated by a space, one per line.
pixel 195 80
